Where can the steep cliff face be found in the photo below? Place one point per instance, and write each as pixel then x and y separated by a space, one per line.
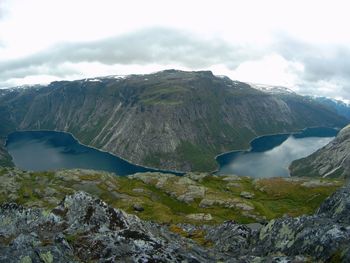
pixel 170 119
pixel 333 160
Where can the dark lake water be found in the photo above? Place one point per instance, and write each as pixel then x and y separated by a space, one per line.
pixel 270 156
pixel 50 150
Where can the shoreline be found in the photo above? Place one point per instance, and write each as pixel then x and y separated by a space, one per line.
pixel 176 172
pixel 104 151
pixel 267 135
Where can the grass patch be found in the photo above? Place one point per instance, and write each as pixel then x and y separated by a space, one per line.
pixel 272 198
pixel 163 95
pixel 197 235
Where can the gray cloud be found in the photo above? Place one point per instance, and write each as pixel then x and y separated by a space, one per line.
pixel 156 45
pixel 320 62
pixel 323 64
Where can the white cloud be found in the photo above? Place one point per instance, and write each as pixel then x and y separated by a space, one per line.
pixel 300 44
pixel 272 69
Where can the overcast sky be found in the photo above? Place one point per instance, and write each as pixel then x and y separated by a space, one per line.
pixel 303 45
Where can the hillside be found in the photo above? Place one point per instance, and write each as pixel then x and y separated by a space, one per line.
pixel 333 160
pixel 64 217
pixel 170 119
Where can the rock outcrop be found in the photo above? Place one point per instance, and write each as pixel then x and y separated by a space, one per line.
pixel 169 199
pixel 333 160
pixel 83 228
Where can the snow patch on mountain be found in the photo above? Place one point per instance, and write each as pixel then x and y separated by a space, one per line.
pixel 272 89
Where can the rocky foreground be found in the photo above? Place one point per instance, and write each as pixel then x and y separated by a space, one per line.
pixel 165 198
pixel 83 228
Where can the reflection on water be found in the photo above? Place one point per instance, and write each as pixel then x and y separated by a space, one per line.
pixel 270 155
pixel 49 150
pixel 272 162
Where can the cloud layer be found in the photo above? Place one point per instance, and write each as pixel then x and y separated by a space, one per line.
pixel 302 45
pixel 323 70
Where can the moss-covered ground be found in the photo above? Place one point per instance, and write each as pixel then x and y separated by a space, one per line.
pixel 161 196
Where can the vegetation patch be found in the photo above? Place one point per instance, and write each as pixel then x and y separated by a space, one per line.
pixel 200 157
pixel 197 235
pixel 166 95
pixel 171 199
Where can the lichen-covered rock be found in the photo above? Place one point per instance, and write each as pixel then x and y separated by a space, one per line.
pixel 192 192
pixel 200 216
pixel 230 237
pixel 83 228
pixel 232 178
pixel 317 183
pixel 149 178
pixel 86 229
pixel 228 203
pixel 30 235
pixel 320 238
pixel 337 206
pixel 323 236
pixel 247 195
pixel 185 188
pixel 197 176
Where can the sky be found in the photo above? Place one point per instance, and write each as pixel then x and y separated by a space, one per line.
pixel 302 45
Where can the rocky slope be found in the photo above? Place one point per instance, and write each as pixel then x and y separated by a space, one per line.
pixel 333 160
pixel 83 228
pixel 170 119
pixel 166 198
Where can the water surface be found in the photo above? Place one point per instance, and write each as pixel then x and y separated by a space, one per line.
pixel 270 156
pixel 51 150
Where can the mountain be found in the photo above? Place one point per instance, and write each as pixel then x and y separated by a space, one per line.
pixel 170 119
pixel 333 160
pixel 339 106
pixel 81 227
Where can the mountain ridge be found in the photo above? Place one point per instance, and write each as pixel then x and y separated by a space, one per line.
pixel 341 107
pixel 172 119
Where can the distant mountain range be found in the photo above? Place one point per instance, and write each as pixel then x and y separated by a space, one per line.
pixel 170 119
pixel 341 107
